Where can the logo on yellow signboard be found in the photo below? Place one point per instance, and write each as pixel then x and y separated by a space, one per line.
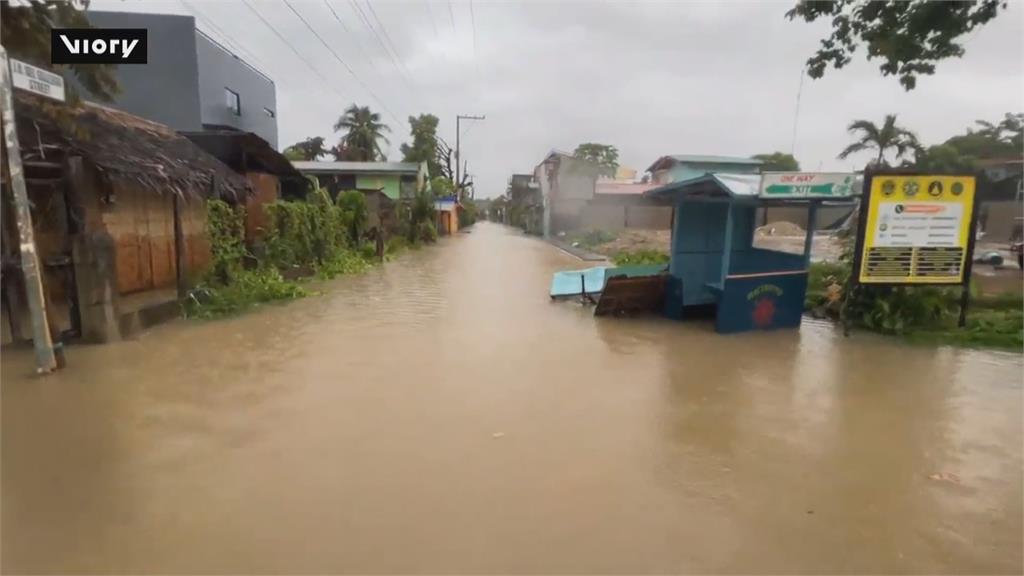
pixel 917 230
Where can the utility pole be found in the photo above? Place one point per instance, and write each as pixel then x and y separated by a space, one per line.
pixel 458 157
pixel 45 360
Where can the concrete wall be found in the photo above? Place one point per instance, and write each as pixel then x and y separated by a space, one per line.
pixel 997 218
pixel 798 215
pixel 615 216
pixel 220 69
pixel 166 89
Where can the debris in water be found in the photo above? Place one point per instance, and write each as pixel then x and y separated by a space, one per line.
pixel 946 477
pixel 498 435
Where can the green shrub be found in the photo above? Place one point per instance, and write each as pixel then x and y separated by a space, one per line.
pixel 355 213
pixel 226 228
pixel 343 262
pixel 247 288
pixel 645 256
pixel 426 232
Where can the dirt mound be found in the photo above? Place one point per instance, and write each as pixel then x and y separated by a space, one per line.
pixel 781 228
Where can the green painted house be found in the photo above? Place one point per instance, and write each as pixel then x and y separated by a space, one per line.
pixel 396 180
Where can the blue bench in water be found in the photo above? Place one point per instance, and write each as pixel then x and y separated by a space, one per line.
pixel 592 280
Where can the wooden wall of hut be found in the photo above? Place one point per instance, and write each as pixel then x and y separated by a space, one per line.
pixel 266 189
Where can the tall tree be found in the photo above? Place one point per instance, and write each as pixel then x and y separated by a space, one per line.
pixel 777 162
pixel 363 134
pixel 992 139
pixel 910 36
pixel 423 129
pixel 881 139
pixel 603 155
pixel 309 149
pixel 25 30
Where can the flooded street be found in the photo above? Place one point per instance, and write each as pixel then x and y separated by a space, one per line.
pixel 440 414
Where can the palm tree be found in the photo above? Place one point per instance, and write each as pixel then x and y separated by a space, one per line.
pixel 887 137
pixel 364 131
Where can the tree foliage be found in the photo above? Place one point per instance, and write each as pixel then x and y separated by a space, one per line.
pixel 881 139
pixel 364 132
pixel 777 162
pixel 423 129
pixel 962 152
pixel 309 149
pixel 910 36
pixel 25 30
pixel 603 155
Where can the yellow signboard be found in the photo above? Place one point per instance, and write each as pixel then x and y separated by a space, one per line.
pixel 917 230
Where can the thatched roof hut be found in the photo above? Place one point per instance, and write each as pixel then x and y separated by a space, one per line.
pixel 122 147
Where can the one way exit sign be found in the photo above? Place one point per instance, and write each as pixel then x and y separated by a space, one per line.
pixel 806 185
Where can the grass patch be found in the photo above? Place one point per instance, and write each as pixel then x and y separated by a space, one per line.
pixel 247 289
pixel 645 256
pixel 924 314
pixel 591 238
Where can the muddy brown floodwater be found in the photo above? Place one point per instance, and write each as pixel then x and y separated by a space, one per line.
pixel 439 414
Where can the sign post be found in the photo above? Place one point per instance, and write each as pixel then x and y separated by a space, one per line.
pixel 916 229
pixel 824 185
pixel 45 360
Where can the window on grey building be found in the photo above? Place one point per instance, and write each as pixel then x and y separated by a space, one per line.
pixel 233 100
pixel 268 112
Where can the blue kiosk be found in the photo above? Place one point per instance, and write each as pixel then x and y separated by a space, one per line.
pixel 713 258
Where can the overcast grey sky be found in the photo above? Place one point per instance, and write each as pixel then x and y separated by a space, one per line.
pixel 650 78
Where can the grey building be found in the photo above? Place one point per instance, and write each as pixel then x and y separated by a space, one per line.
pixel 191 82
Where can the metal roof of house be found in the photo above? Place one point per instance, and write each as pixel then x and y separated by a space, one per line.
pixel 704 159
pixel 712 184
pixel 360 167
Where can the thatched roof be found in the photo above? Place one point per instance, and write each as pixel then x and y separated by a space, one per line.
pixel 125 147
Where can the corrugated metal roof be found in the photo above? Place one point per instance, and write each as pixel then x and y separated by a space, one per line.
pixel 364 167
pixel 703 159
pixel 711 184
pixel 714 159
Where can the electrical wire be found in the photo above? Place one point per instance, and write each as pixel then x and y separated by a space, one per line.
pixel 296 52
pixel 369 91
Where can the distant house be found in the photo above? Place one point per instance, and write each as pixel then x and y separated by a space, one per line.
pixel 566 186
pixel 1001 197
pixel 680 167
pixel 118 204
pixel 525 203
pixel 397 180
pixel 270 174
pixel 190 82
pixel 383 183
pixel 447 208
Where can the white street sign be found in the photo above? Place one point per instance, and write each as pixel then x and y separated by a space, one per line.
pixel 37 80
pixel 807 185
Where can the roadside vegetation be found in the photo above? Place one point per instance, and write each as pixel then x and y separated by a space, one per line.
pixel 302 239
pixel 920 314
pixel 640 257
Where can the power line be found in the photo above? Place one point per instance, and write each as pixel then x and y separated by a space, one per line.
pixel 296 52
pixel 341 61
pixel 472 21
pixel 430 12
pixel 451 16
pixel 387 37
pixel 233 44
pixel 380 41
